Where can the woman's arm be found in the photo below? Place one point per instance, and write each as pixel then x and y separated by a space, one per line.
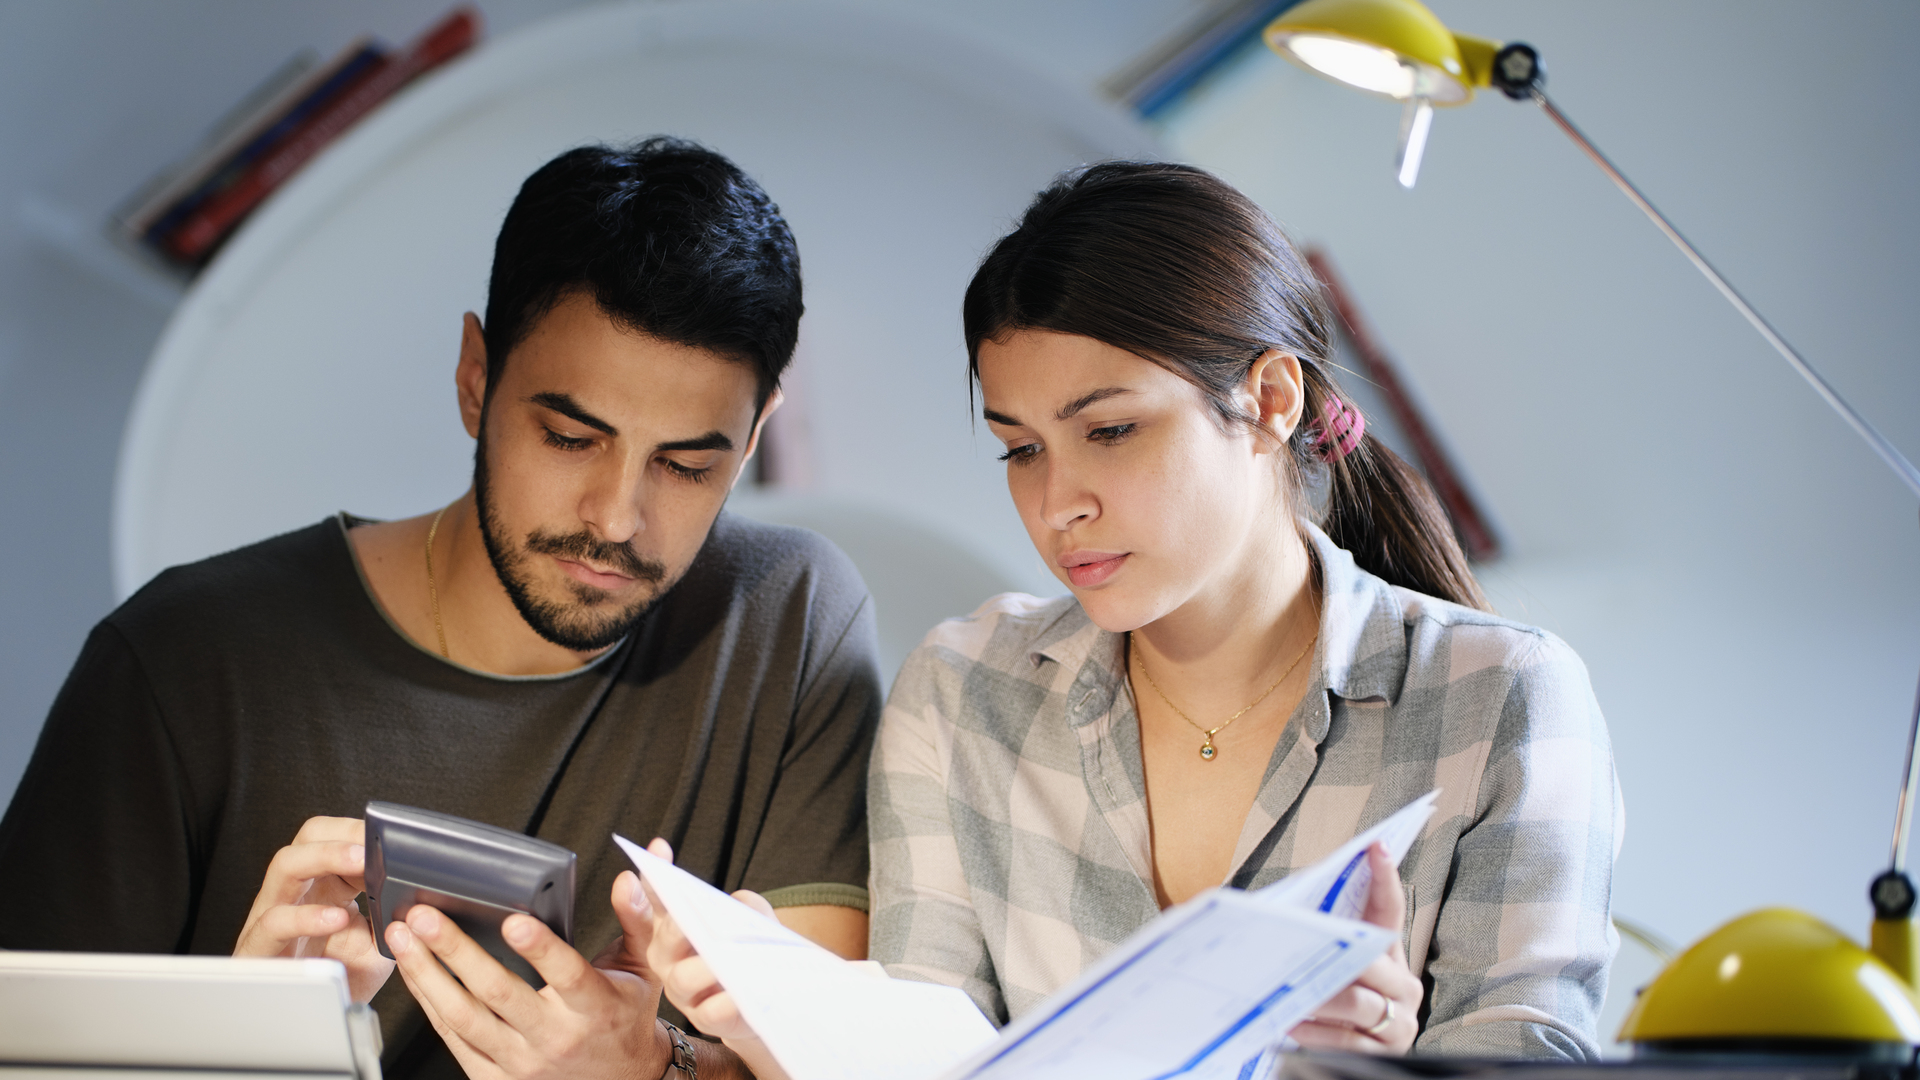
pixel 1524 937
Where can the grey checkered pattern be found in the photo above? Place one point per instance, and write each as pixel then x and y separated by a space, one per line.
pixel 1009 817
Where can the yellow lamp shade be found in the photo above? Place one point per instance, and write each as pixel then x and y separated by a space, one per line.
pixel 1393 48
pixel 1770 975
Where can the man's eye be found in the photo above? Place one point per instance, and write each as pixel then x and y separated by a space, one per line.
pixel 686 472
pixel 1110 434
pixel 562 442
pixel 1020 455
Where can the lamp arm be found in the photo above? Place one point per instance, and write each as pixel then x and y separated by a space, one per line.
pixel 1888 452
pixel 1893 892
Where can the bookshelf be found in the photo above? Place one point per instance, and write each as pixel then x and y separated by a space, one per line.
pixel 308 369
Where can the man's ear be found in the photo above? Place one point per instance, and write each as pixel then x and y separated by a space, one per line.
pixel 470 375
pixel 774 401
pixel 1277 391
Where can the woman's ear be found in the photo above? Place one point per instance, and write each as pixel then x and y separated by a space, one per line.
pixel 1278 392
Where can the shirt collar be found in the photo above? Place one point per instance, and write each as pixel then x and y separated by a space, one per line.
pixel 1361 654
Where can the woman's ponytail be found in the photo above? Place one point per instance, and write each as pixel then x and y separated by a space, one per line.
pixel 1376 505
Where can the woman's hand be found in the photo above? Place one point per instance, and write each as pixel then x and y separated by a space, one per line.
pixel 689 983
pixel 305 906
pixel 1379 1012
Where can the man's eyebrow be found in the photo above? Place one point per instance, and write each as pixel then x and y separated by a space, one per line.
pixel 1072 408
pixel 712 440
pixel 567 407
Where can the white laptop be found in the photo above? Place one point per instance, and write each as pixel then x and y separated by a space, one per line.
pixel 92 1016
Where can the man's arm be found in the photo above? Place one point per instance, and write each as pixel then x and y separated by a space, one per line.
pixel 97 847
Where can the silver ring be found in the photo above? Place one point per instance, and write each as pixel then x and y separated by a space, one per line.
pixel 1376 1030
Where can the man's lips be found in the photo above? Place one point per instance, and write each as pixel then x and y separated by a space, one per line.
pixel 587 575
pixel 1087 568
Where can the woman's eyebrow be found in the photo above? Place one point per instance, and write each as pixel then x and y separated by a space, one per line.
pixel 1072 408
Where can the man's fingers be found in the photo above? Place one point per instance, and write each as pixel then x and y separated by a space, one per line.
pixel 476 1064
pixel 293 867
pixel 349 830
pixel 689 984
pixel 568 975
pixel 279 927
pixel 489 987
pixel 635 910
pixel 755 901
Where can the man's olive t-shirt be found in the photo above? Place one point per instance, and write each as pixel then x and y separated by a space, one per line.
pixel 230 700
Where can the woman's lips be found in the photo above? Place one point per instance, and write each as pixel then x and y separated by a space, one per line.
pixel 1089 568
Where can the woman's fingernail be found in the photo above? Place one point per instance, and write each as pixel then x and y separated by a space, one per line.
pixel 518 931
pixel 357 857
pixel 399 938
pixel 638 900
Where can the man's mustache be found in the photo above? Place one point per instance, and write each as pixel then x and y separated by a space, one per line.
pixel 584 547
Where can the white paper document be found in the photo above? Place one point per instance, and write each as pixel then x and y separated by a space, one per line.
pixel 1197 993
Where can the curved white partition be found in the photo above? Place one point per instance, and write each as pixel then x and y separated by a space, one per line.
pixel 311 367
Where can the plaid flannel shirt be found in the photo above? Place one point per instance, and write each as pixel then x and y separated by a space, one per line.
pixel 1008 809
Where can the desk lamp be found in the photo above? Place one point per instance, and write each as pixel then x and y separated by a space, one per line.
pixel 1773 981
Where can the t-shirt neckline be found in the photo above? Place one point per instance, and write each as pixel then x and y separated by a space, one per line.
pixel 346 521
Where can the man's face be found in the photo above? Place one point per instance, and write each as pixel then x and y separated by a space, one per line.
pixel 603 456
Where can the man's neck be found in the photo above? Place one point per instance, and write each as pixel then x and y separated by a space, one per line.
pixel 462 602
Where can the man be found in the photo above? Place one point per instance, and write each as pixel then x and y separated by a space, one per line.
pixel 581 644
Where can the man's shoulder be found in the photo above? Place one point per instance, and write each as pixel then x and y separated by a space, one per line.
pixel 757 559
pixel 231 589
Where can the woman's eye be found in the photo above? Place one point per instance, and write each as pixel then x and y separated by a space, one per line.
pixel 1110 434
pixel 562 442
pixel 1020 455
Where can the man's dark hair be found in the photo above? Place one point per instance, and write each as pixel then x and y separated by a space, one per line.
pixel 670 239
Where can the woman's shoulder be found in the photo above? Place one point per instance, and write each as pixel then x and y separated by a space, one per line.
pixel 1010 624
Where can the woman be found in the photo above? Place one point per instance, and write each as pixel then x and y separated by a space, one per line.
pixel 1271 642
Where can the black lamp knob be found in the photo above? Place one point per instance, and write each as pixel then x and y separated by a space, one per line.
pixel 1892 895
pixel 1517 71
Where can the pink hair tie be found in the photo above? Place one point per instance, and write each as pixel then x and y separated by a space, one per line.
pixel 1339 431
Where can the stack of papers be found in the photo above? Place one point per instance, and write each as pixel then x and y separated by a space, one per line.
pixel 1201 992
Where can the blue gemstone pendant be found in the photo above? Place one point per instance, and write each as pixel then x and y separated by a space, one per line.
pixel 1206 750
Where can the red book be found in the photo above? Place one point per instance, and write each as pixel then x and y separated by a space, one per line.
pixel 194 240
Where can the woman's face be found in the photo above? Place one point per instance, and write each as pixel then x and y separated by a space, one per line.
pixel 1134 493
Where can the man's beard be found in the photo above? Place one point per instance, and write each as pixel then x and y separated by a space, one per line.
pixel 592 621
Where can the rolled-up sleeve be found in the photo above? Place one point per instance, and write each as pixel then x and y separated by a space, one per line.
pixel 924 923
pixel 1518 966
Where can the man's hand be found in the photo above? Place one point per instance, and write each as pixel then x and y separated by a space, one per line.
pixel 1379 1012
pixel 305 906
pixel 589 1021
pixel 690 985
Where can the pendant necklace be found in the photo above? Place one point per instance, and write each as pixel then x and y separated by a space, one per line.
pixel 1207 751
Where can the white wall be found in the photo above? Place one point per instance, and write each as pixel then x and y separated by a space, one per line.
pixel 1741 575
pixel 95 95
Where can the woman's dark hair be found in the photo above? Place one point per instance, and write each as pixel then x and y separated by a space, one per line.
pixel 1172 264
pixel 668 237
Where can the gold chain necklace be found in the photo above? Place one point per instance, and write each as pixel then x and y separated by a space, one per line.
pixel 1207 750
pixel 433 593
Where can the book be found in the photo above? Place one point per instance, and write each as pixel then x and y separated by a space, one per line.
pixel 260 107
pixel 275 120
pixel 194 239
pixel 1204 991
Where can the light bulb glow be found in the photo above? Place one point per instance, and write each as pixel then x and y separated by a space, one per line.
pixel 1368 67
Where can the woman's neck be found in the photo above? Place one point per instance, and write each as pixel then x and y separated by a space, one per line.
pixel 1229 641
